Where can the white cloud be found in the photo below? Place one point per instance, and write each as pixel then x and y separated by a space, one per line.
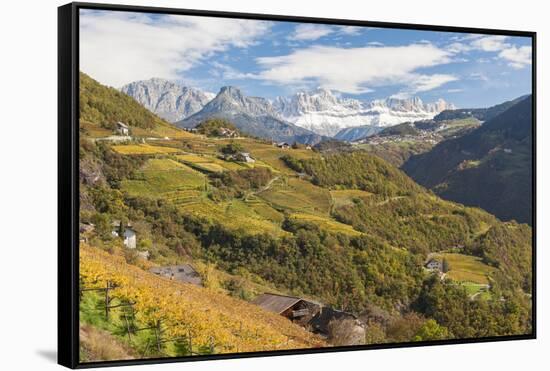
pixel 308 31
pixel 517 57
pixel 120 47
pixel 458 47
pixel 478 76
pixel 375 43
pixel 491 43
pixel 229 73
pixel 358 70
pixel 351 30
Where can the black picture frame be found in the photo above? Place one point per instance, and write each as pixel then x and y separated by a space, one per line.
pixel 68 173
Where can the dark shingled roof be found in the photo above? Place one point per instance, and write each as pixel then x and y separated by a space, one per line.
pixel 275 303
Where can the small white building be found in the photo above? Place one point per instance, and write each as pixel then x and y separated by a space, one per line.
pixel 244 157
pixel 122 128
pixel 130 238
pixel 283 145
pixel 129 235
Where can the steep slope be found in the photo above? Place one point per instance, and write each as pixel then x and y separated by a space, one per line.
pixel 102 107
pixel 322 112
pixel 351 134
pixel 491 167
pixel 214 320
pixel 168 99
pixel 252 115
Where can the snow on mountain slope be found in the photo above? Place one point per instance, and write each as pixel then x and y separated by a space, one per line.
pixel 324 113
pixel 251 115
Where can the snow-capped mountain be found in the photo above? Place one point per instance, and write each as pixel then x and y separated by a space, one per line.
pixel 168 99
pixel 324 113
pixel 252 115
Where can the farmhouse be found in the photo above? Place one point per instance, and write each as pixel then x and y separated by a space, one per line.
pixel 434 264
pixel 129 235
pixel 240 157
pixel 183 273
pixel 295 309
pixel 228 133
pixel 244 157
pixel 122 128
pixel 283 145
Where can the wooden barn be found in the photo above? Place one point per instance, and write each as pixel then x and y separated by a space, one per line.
pixel 295 309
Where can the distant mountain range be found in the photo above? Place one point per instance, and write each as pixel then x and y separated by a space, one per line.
pixel 489 167
pixel 310 115
pixel 324 113
pixel 253 115
pixel 169 100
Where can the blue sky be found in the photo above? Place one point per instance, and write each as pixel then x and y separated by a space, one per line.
pixel 278 58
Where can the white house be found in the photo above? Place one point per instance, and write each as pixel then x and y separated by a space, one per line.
pixel 244 157
pixel 130 238
pixel 122 128
pixel 283 145
pixel 129 235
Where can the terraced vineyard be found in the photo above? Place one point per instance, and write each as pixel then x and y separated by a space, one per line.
pixel 161 176
pixel 182 178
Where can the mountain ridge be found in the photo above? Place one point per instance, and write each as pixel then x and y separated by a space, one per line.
pixel 252 115
pixel 324 113
pixel 168 99
pixel 490 167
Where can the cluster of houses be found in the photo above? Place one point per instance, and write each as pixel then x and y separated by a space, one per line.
pixel 424 136
pixel 285 145
pixel 127 233
pixel 228 133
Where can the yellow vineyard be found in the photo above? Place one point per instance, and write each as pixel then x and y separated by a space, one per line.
pixel 211 318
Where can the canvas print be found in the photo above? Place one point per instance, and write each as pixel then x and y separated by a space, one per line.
pixel 260 185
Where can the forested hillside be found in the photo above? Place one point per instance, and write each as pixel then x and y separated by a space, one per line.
pixel 491 167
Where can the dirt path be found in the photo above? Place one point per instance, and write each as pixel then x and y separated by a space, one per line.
pixel 263 189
